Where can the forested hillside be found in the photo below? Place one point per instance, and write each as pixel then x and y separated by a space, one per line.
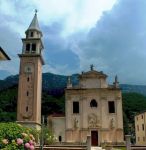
pixel 52 102
pixel 133 103
pixel 54 81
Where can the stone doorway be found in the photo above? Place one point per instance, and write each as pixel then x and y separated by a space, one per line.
pixel 94 138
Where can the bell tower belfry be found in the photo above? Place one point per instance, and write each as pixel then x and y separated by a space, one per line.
pixel 30 77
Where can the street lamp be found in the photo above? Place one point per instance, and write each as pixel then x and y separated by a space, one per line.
pixel 42 136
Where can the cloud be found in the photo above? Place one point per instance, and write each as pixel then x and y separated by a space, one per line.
pixel 76 14
pixel 11 43
pixel 57 52
pixel 109 34
pixel 57 19
pixel 117 44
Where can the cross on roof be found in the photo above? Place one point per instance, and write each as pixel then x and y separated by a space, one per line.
pixel 92 66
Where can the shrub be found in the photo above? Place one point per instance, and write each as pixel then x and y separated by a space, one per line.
pixel 48 137
pixel 13 136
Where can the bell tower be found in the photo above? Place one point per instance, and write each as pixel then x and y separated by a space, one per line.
pixel 30 77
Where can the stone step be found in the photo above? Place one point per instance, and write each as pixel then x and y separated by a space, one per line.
pixel 96 148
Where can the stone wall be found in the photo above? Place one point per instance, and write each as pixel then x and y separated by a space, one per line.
pixel 62 148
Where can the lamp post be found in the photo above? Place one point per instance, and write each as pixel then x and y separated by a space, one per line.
pixel 42 136
pixel 128 142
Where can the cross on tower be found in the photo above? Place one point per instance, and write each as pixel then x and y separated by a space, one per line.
pixel 36 11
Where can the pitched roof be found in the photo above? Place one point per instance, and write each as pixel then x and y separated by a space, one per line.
pixel 3 55
pixel 34 25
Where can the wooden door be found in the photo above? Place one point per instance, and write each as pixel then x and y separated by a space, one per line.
pixel 94 138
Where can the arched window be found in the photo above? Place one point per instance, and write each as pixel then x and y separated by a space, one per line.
pixel 26 108
pixel 33 48
pixel 28 79
pixel 27 47
pixel 31 34
pixel 27 93
pixel 93 103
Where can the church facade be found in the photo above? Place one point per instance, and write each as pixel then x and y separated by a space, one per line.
pixel 92 108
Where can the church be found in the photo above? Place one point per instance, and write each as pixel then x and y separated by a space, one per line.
pixel 93 107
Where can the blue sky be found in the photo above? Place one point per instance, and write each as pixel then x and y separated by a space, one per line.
pixel 111 34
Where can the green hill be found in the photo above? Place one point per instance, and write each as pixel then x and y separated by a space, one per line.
pixel 133 103
pixel 53 81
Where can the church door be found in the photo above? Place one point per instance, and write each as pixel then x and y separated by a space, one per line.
pixel 94 138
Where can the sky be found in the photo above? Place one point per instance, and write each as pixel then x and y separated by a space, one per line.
pixel 110 34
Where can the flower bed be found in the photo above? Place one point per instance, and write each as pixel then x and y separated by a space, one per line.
pixel 13 136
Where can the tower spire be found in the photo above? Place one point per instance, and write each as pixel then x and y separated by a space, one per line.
pixel 34 25
pixel 32 44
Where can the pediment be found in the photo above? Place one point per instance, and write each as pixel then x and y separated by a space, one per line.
pixel 93 74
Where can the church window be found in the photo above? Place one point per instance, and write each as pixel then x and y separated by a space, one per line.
pixel 75 107
pixel 111 106
pixel 93 103
pixel 28 79
pixel 143 127
pixel 31 34
pixel 27 93
pixel 27 34
pixel 138 139
pixel 27 109
pixel 27 47
pixel 137 128
pixel 33 47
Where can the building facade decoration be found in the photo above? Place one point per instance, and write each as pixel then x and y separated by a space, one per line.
pixel 93 121
pixel 112 123
pixel 76 122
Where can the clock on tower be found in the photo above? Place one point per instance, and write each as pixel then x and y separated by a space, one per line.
pixel 30 77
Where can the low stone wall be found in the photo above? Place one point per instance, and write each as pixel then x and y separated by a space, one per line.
pixel 62 148
pixel 138 147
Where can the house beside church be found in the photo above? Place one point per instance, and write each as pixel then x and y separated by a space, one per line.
pixel 140 128
pixel 3 55
pixel 91 108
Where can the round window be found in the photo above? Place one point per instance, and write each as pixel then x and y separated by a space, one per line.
pixel 93 103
